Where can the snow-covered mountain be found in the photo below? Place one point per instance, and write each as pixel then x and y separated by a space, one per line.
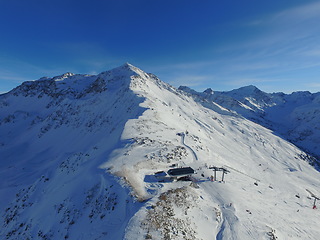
pixel 79 154
pixel 294 116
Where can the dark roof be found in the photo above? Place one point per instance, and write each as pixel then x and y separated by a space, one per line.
pixel 180 171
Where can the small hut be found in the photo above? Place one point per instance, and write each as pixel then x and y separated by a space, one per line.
pixel 176 173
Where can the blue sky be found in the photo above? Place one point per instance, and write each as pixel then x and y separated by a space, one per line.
pixel 274 45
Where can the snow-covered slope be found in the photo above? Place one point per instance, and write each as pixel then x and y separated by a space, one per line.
pixel 294 116
pixel 54 134
pixel 79 153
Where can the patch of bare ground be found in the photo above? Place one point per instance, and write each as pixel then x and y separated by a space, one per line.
pixel 169 215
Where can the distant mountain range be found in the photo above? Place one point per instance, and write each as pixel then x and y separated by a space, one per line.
pixel 92 156
pixel 295 116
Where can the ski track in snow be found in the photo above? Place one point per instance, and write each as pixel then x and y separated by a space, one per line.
pixel 194 155
pixel 228 228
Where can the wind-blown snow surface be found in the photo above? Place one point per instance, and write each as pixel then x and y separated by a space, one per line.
pixel 73 147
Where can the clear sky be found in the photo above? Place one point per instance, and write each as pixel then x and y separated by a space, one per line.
pixel 222 44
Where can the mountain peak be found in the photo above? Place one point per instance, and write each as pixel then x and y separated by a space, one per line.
pixel 249 89
pixel 63 76
pixel 208 91
pixel 129 67
pixel 125 70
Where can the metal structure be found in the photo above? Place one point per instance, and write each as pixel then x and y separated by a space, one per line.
pixel 315 198
pixel 215 169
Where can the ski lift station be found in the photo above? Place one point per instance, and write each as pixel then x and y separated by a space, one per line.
pixel 174 173
pixel 180 172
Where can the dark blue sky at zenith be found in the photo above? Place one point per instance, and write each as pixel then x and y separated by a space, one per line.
pixel 274 45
